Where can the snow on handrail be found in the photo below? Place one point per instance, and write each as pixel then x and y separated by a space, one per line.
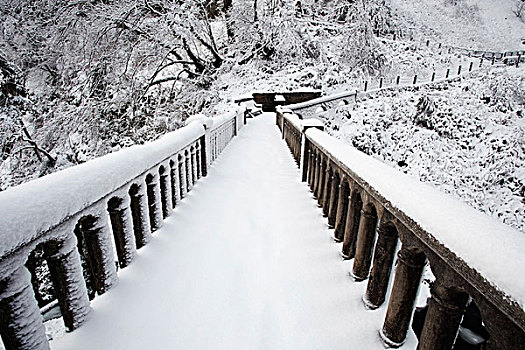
pixel 372 207
pixel 78 217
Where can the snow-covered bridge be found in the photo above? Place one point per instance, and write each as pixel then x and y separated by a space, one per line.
pixel 244 255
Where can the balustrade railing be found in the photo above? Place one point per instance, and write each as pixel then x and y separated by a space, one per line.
pixel 376 210
pixel 76 216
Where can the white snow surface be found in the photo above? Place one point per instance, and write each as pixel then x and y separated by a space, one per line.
pixel 493 249
pixel 246 261
pixel 38 205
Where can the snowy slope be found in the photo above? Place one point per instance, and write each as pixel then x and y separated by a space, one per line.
pixel 482 24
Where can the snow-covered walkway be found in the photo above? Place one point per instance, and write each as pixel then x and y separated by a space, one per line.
pixel 246 261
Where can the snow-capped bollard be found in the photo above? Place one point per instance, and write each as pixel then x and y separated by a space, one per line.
pixel 97 237
pixel 182 176
pixel 122 226
pixel 385 249
pixel 70 287
pixel 365 243
pixel 139 213
pixel 410 263
pixel 444 315
pixel 21 325
pixel 165 192
pixel 154 205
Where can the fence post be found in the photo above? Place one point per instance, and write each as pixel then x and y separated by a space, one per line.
pixel 480 62
pixel 448 73
pixel 470 67
pixel 415 80
pixel 397 80
pixel 459 69
pixel 433 76
pixel 518 61
pixel 366 85
pixel 381 82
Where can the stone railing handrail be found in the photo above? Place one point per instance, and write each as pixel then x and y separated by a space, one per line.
pixel 372 206
pixel 115 201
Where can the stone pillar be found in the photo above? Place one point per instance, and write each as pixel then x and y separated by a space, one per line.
pixel 382 267
pixel 341 212
pixel 444 315
pixel 182 176
pixel 140 216
pixel 311 167
pixel 407 279
pixel 353 217
pixel 306 161
pixel 333 200
pixel 321 183
pixel 189 176
pixel 175 186
pixel 318 175
pixel 21 325
pixel 365 243
pixel 315 172
pixel 121 223
pixel 165 192
pixel 100 250
pixel 154 205
pixel 327 183
pixel 193 154
pixel 204 158
pixel 198 160
pixel 70 287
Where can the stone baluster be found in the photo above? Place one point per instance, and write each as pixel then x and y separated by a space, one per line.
pixel 382 266
pixel 365 243
pixel 175 185
pixel 443 318
pixel 326 190
pixel 321 180
pixel 165 192
pixel 154 205
pixel 122 227
pixel 353 218
pixel 198 159
pixel 333 200
pixel 188 166
pixel 140 216
pixel 21 325
pixel 97 237
pixel 70 287
pixel 182 176
pixel 407 279
pixel 193 153
pixel 343 200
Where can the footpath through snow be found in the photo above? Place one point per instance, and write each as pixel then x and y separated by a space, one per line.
pixel 246 261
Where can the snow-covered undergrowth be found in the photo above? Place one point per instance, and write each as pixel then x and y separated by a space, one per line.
pixel 466 137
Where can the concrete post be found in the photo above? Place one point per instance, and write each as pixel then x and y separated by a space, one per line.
pixel 122 227
pixel 140 216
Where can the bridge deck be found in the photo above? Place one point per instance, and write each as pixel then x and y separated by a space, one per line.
pixel 246 261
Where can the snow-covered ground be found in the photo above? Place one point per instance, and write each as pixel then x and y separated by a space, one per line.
pixel 245 262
